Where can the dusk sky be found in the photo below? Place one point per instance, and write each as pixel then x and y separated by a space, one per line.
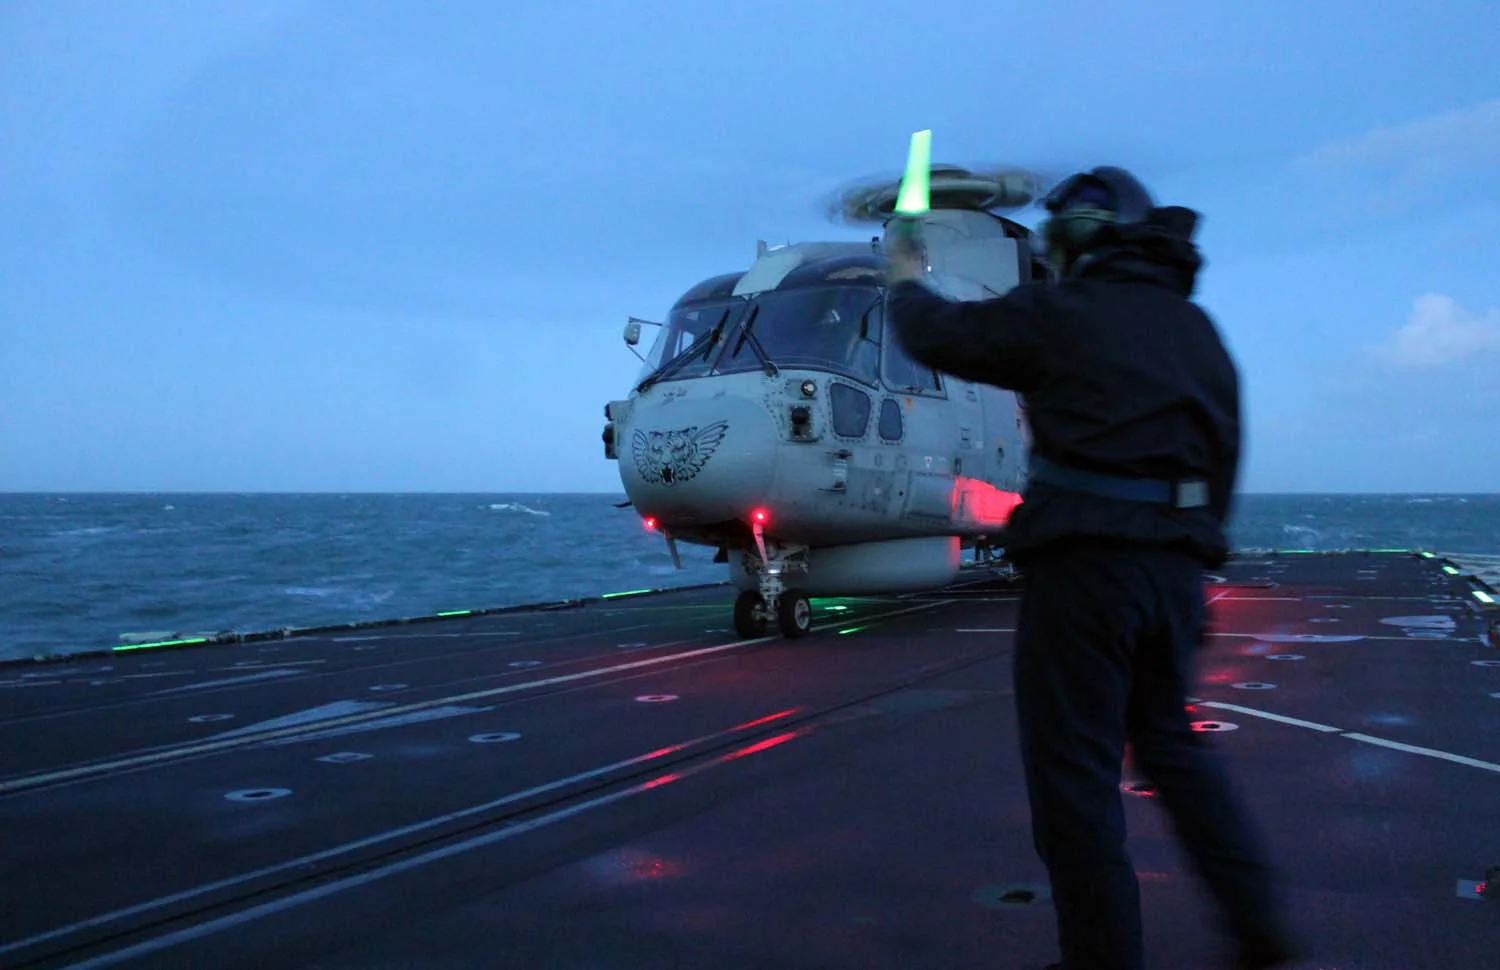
pixel 390 246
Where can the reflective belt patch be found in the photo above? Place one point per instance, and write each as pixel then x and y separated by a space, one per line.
pixel 1192 495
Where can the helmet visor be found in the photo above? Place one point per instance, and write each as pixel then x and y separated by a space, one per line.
pixel 1081 191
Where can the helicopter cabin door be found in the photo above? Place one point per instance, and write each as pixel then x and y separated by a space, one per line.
pixel 925 418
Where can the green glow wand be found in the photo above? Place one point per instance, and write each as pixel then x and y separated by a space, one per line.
pixel 914 198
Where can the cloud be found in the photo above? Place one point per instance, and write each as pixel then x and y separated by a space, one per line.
pixel 1465 138
pixel 1412 413
pixel 1440 332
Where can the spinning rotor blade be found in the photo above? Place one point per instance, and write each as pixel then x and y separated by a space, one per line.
pixel 988 188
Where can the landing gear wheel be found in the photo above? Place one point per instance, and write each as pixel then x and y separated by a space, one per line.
pixel 749 618
pixel 794 613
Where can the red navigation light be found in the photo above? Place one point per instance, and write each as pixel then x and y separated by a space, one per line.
pixel 650 523
pixel 760 516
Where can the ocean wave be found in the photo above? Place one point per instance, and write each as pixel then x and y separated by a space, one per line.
pixel 318 592
pixel 220 562
pixel 516 507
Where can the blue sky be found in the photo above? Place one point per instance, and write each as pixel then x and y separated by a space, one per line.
pixel 286 245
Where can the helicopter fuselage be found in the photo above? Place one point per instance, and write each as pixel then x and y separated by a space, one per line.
pixel 778 419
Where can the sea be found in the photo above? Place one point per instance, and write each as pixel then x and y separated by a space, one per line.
pixel 88 572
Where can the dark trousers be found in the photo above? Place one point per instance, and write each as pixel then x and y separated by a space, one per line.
pixel 1103 653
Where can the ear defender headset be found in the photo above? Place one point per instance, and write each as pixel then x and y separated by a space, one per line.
pixel 1083 204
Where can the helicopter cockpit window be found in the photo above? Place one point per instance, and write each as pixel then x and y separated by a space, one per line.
pixel 834 328
pixel 685 327
pixel 901 373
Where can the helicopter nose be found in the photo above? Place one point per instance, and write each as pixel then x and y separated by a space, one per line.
pixel 698 462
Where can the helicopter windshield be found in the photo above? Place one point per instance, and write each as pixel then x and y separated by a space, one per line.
pixel 833 328
pixel 683 331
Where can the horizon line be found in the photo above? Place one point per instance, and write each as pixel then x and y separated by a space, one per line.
pixel 614 492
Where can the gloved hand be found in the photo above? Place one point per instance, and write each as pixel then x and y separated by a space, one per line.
pixel 906 250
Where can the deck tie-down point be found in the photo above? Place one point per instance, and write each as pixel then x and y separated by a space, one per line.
pixel 1011 895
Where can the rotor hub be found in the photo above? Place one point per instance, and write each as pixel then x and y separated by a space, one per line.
pixel 951 187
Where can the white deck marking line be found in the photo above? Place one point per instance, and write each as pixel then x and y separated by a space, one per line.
pixel 620 605
pixel 544 635
pixel 164 673
pixel 395 868
pixel 419 717
pixel 1429 752
pixel 263 664
pixel 1356 736
pixel 230 681
pixel 320 713
pixel 1430 597
pixel 377 839
pixel 1296 722
pixel 1356 636
pixel 425 636
pixel 206 747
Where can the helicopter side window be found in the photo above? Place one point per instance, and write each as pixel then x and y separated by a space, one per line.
pixel 901 373
pixel 891 427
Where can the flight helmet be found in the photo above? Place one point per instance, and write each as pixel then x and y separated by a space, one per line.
pixel 1080 205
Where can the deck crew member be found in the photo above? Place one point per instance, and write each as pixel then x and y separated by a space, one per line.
pixel 1134 409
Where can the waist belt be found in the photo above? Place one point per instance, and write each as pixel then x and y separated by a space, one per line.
pixel 1189 494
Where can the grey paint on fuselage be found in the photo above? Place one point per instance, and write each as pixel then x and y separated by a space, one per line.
pixel 702 449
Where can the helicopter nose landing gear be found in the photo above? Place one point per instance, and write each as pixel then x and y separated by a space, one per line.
pixel 794 613
pixel 750 615
pixel 789 606
pixel 792 610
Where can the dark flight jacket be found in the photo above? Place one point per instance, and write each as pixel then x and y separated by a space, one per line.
pixel 1120 373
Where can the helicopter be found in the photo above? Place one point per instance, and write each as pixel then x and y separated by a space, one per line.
pixel 777 418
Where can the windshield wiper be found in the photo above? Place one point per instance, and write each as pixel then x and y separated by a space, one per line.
pixel 760 352
pixel 698 348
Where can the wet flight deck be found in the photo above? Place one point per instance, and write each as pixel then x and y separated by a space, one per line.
pixel 622 783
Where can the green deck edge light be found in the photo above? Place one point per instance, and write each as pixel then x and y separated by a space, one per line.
pixel 628 592
pixel 160 643
pixel 913 199
pixel 1451 571
pixel 456 613
pixel 1484 597
pixel 849 630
